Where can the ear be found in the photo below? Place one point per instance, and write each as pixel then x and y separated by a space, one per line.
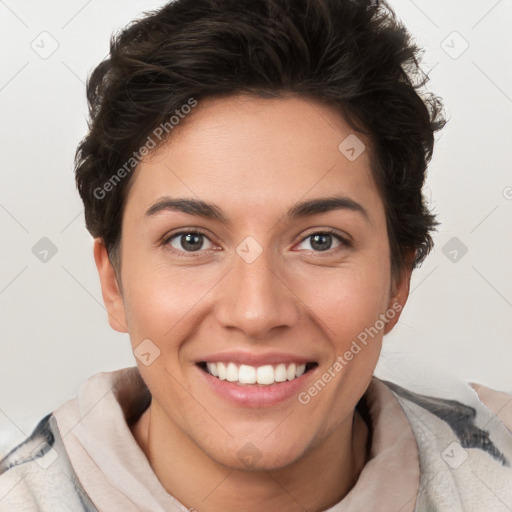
pixel 400 291
pixel 112 296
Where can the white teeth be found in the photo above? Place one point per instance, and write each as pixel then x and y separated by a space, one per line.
pixel 212 368
pixel 301 368
pixel 290 371
pixel 232 372
pixel 264 375
pixel 221 369
pixel 246 374
pixel 280 373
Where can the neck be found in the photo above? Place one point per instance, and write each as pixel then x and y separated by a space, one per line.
pixel 317 481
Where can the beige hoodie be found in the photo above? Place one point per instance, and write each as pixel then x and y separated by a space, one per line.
pixel 84 457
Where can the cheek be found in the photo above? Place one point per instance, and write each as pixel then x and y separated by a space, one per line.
pixel 348 301
pixel 348 308
pixel 159 300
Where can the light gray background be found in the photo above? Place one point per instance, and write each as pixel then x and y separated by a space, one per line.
pixel 54 331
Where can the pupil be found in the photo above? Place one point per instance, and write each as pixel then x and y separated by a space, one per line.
pixel 189 239
pixel 319 240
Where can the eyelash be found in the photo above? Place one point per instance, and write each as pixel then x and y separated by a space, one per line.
pixel 344 242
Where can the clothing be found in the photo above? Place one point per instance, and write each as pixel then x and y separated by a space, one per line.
pixel 427 453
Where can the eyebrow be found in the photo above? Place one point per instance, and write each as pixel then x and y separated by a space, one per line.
pixel 298 210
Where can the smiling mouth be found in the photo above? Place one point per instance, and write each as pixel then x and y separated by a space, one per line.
pixel 247 375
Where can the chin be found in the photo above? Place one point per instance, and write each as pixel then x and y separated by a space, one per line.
pixel 257 456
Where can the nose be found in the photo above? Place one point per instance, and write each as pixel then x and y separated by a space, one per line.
pixel 256 299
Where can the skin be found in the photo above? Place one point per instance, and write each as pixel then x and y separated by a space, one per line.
pixel 254 158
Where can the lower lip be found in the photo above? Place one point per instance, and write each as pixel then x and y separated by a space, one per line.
pixel 254 395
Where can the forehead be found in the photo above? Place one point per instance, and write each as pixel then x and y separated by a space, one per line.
pixel 251 154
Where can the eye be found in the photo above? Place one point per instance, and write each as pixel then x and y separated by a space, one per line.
pixel 188 241
pixel 193 241
pixel 321 241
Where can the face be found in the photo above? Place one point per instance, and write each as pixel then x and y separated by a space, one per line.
pixel 250 279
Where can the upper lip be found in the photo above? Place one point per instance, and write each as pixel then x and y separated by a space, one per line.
pixel 252 359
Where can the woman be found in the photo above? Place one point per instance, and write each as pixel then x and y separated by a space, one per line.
pixel 252 179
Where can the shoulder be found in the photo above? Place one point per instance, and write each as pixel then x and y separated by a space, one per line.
pixel 37 447
pixel 472 422
pixel 464 447
pixel 37 475
pixel 499 402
